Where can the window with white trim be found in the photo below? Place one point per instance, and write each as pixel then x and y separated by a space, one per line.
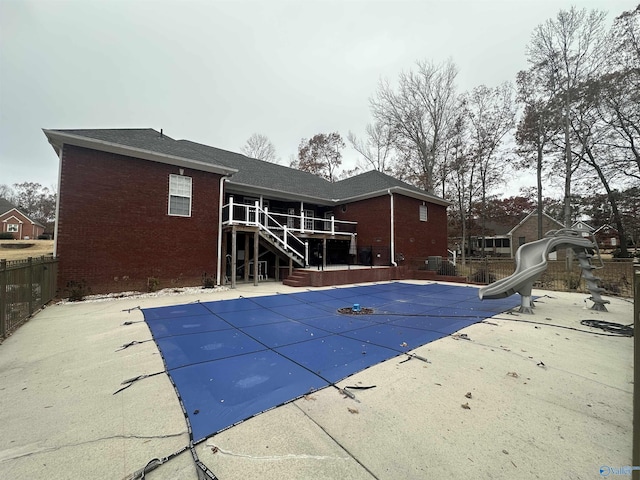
pixel 423 213
pixel 12 227
pixel 179 195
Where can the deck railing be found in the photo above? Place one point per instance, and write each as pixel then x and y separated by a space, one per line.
pixel 280 235
pixel 285 229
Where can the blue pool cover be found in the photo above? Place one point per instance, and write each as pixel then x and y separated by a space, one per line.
pixel 232 359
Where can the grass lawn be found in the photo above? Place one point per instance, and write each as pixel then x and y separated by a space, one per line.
pixel 38 249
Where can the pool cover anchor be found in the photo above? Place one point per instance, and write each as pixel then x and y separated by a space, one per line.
pixel 413 355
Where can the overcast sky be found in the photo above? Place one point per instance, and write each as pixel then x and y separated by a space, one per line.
pixel 217 71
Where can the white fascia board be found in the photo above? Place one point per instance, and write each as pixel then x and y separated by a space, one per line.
pixel 58 139
pixel 400 190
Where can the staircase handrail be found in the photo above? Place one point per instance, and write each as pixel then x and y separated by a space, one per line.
pixel 289 240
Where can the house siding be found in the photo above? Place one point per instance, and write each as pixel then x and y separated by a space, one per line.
pixel 529 230
pixel 416 240
pixel 114 232
pixel 374 225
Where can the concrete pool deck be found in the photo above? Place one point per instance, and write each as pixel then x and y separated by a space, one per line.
pixel 502 399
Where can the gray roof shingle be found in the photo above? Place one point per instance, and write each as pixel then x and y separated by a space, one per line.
pixel 253 173
pixel 5 205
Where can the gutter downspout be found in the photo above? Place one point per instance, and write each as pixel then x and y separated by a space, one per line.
pixel 220 205
pixel 393 233
pixel 55 226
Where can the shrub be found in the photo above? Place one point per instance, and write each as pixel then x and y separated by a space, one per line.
pixel 482 276
pixel 448 269
pixel 152 284
pixel 572 282
pixel 207 281
pixel 77 290
pixel 6 236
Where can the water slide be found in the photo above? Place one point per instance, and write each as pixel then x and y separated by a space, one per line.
pixel 531 261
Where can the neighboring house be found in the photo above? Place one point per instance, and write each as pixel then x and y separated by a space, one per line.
pixel 13 221
pixel 136 207
pixel 608 237
pixel 583 228
pixel 505 240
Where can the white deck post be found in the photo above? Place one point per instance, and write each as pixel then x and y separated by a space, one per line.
pixel 231 209
pixel 256 219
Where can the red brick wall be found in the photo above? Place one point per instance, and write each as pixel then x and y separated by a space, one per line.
pixel 416 239
pixel 114 232
pixel 373 217
pixel 413 238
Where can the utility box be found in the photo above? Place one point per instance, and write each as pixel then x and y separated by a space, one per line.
pixel 434 263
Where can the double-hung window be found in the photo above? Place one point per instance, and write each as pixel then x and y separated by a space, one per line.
pixel 12 227
pixel 179 195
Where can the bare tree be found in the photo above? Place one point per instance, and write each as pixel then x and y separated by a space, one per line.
pixel 618 91
pixel 260 147
pixel 376 149
pixel 32 199
pixel 567 51
pixel 624 39
pixel 463 185
pixel 420 113
pixel 320 155
pixel 539 124
pixel 491 114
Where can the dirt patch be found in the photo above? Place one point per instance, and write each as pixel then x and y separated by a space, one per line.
pixel 32 248
pixel 16 245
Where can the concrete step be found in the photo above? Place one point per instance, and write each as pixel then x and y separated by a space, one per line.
pixel 298 279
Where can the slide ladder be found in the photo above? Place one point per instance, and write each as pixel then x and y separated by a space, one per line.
pixel 584 259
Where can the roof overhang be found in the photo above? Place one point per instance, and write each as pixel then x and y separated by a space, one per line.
pixel 257 191
pixel 58 139
pixel 253 190
pixel 399 190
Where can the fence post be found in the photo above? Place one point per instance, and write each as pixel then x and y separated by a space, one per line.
pixel 636 372
pixel 30 283
pixel 3 298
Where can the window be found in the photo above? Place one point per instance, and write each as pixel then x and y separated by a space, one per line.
pixel 522 241
pixel 179 195
pixel 308 219
pixel 12 227
pixel 423 213
pixel 502 243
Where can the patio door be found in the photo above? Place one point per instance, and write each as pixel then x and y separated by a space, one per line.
pixel 291 220
pixel 327 222
pixel 308 219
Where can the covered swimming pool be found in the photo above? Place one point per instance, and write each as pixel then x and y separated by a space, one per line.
pixel 232 359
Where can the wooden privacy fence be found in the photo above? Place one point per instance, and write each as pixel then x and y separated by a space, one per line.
pixel 616 277
pixel 25 286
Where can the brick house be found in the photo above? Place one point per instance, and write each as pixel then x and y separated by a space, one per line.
pixel 13 221
pixel 137 208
